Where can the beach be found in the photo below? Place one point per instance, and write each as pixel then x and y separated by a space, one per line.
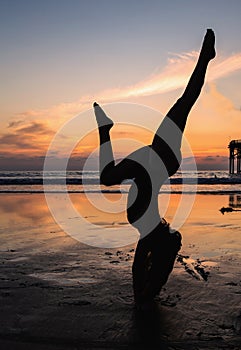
pixel 59 293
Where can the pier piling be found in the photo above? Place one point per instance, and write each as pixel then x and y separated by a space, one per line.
pixel 235 157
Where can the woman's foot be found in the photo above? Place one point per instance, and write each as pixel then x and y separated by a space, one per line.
pixel 208 47
pixel 102 120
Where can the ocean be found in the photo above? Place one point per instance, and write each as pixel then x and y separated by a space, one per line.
pixel 212 182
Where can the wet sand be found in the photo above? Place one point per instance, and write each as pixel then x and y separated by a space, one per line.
pixel 57 293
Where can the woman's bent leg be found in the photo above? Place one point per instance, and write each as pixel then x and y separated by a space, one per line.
pixel 110 174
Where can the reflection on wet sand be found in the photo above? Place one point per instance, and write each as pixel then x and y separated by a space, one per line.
pixel 16 207
pixel 65 292
pixel 112 212
pixel 210 232
pixel 234 204
pixel 235 200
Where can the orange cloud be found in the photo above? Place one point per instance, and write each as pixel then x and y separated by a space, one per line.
pixel 173 76
pixel 31 138
pixel 225 66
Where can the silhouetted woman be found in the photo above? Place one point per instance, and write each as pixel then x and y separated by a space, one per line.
pixel 149 167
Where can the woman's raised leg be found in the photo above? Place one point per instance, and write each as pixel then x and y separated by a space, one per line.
pixel 179 112
pixel 169 133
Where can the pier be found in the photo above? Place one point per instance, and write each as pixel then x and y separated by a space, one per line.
pixel 235 157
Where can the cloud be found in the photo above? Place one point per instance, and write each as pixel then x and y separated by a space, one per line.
pixel 225 66
pixel 33 137
pixel 15 123
pixel 35 128
pixel 173 76
pixel 16 140
pixel 219 104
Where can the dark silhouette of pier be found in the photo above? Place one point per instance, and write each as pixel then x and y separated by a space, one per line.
pixel 234 157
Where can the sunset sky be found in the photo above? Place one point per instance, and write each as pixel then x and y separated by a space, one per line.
pixel 59 56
